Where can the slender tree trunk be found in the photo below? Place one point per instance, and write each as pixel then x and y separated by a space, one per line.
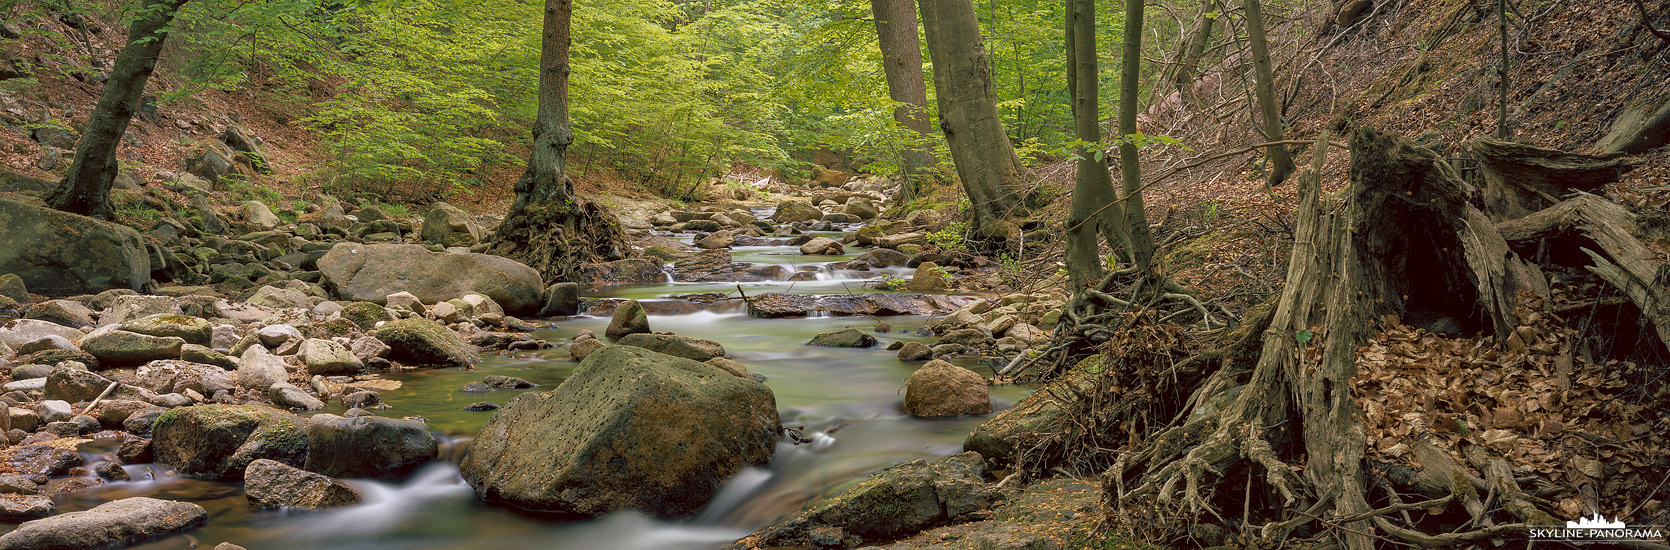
pixel 1264 87
pixel 1502 132
pixel 1194 48
pixel 901 57
pixel 544 182
pixel 548 227
pixel 1093 213
pixel 1130 73
pixel 86 190
pixel 980 148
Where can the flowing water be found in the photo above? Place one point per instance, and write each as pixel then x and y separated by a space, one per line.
pixel 856 395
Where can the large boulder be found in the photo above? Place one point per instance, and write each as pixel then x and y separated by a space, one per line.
pixel 630 429
pixel 820 246
pixel 418 341
pixel 943 389
pixel 69 313
pixel 328 357
pixel 561 299
pixel 61 253
pixel 861 208
pixel 1041 412
pixel 193 330
pixel 844 338
pixel 695 349
pixel 179 376
pixel 115 524
pixel 23 331
pixel 220 441
pixel 629 318
pixel 897 502
pixel 446 225
pixel 274 484
pixel 791 211
pixel 371 272
pixel 367 446
pixel 116 347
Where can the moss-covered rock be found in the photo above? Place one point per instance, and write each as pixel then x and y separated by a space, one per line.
pixel 185 327
pixel 120 347
pixel 56 356
pixel 61 253
pixel 424 342
pixel 220 441
pixel 330 329
pixel 12 286
pixel 366 314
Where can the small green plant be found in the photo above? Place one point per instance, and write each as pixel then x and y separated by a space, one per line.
pixel 394 210
pixel 950 237
pixel 1211 214
pixel 889 282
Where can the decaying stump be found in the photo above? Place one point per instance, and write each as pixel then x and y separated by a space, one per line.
pixel 1521 179
pixel 1404 239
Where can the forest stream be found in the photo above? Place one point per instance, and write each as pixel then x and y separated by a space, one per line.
pixel 854 394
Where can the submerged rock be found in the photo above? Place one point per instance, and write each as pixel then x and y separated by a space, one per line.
pixel 119 523
pixel 630 429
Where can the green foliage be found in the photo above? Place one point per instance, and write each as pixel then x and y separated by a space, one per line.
pixel 890 282
pixel 950 237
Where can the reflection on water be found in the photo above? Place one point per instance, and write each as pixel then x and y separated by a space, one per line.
pixel 855 394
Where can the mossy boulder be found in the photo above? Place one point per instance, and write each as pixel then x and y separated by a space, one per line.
pixel 424 342
pixel 185 327
pixel 56 356
pixel 447 225
pixel 330 329
pixel 894 503
pixel 120 347
pixel 219 441
pixel 57 252
pixel 845 338
pixel 12 286
pixel 368 446
pixel 630 429
pixel 366 314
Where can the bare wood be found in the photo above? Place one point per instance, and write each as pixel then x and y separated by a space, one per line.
pixel 96 400
pixel 1520 179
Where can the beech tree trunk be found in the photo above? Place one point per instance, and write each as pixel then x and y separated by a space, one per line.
pixel 963 88
pixel 86 189
pixel 901 59
pixel 1130 168
pixel 1264 88
pixel 548 227
pixel 1194 48
pixel 1094 214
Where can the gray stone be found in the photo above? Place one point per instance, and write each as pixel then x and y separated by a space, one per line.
pixel 847 338
pixel 367 446
pixel 113 524
pixel 23 331
pixel 60 253
pixel 822 247
pixel 257 214
pixel 894 503
pixel 21 508
pixel 115 347
pixel 48 342
pixel 446 225
pixel 276 335
pixel 629 318
pixel 586 448
pixel 328 357
pixel 259 369
pixel 69 313
pixel 54 410
pixel 423 342
pixel 561 299
pixel 134 306
pixel 791 211
pixel 695 349
pixel 218 442
pixel 371 272
pixel 915 351
pixel 179 376
pixel 273 484
pixel 284 394
pixel 191 329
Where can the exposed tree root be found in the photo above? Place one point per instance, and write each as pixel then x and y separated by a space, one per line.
pixel 556 239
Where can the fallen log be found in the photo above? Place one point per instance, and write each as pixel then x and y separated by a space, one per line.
pixel 1521 179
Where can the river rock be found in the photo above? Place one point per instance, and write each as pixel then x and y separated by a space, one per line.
pixel 114 524
pixel 59 253
pixel 371 272
pixel 580 349
pixel 367 446
pixel 716 240
pixel 404 300
pixel 629 318
pixel 778 304
pixel 287 395
pixel 629 429
pixel 12 286
pixel 943 389
pixel 191 329
pixel 69 313
pixel 561 299
pixel 279 298
pixel 43 460
pixel 21 508
pixel 328 358
pixel 894 503
pixel 791 211
pixel 822 246
pixel 447 225
pixel 23 331
pixel 218 442
pixel 46 343
pixel 366 315
pixel 847 338
pixel 695 349
pixel 273 484
pixel 259 369
pixel 418 341
pixel 861 208
pixel 133 306
pixel 73 385
pixel 202 354
pixel 257 214
pixel 114 347
pixel 915 351
pixel 929 277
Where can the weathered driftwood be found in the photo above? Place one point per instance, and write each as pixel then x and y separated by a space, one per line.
pixel 1622 260
pixel 1404 239
pixel 1520 179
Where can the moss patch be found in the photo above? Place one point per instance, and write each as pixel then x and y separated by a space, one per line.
pixel 366 314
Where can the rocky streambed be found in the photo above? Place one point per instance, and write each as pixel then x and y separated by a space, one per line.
pixel 328 403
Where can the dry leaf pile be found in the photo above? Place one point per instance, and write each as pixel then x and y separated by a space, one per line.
pixel 1584 436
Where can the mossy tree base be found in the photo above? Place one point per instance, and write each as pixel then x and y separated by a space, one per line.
pixel 556 239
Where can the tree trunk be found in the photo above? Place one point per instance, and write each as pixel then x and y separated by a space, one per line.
pixel 548 227
pixel 86 190
pixel 1349 267
pixel 1264 87
pixel 1194 48
pixel 1093 214
pixel 901 59
pixel 1130 168
pixel 1520 179
pixel 963 88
